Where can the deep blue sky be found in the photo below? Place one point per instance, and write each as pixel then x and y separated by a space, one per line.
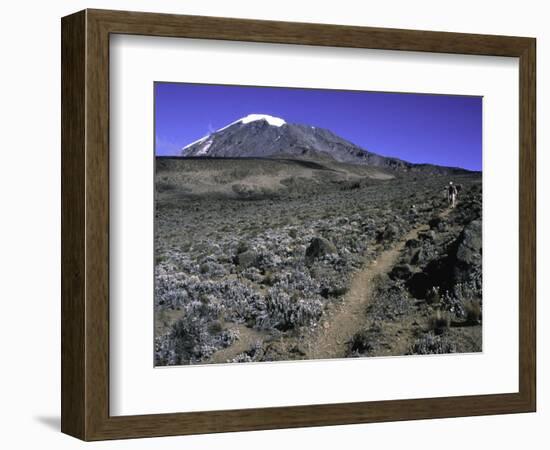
pixel 420 128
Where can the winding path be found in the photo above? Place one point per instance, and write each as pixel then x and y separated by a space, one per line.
pixel 341 320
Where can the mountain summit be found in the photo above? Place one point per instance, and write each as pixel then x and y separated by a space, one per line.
pixel 265 136
pixel 262 135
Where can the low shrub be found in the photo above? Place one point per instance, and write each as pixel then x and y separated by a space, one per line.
pixel 361 343
pixel 284 312
pixel 429 344
pixel 432 296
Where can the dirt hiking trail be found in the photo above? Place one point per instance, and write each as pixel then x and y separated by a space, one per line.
pixel 344 319
pixel 340 320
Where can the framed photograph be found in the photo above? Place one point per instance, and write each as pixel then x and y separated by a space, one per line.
pixel 273 225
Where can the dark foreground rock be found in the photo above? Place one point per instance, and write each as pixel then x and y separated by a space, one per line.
pixel 468 254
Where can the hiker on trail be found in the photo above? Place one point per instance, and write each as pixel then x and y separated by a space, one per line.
pixel 452 194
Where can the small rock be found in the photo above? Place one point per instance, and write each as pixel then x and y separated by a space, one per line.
pixel 401 272
pixel 318 248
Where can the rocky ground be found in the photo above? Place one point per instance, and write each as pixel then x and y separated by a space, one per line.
pixel 257 259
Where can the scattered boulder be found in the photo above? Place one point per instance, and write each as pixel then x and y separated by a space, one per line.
pixel 412 243
pixel 460 264
pixel 212 268
pixel 401 272
pixel 389 233
pixel 468 253
pixel 318 248
pixel 246 259
pixel 427 235
pixel 336 290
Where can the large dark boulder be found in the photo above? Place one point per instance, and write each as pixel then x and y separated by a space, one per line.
pixel 468 253
pixel 319 247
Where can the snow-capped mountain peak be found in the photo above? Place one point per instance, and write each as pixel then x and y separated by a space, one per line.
pixel 262 135
pixel 205 143
pixel 265 136
pixel 271 120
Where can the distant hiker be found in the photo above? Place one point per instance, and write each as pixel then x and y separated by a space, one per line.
pixel 452 192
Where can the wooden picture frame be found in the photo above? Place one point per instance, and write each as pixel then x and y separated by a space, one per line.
pixel 85 224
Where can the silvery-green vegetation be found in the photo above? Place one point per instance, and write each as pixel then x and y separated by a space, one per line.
pixel 250 253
